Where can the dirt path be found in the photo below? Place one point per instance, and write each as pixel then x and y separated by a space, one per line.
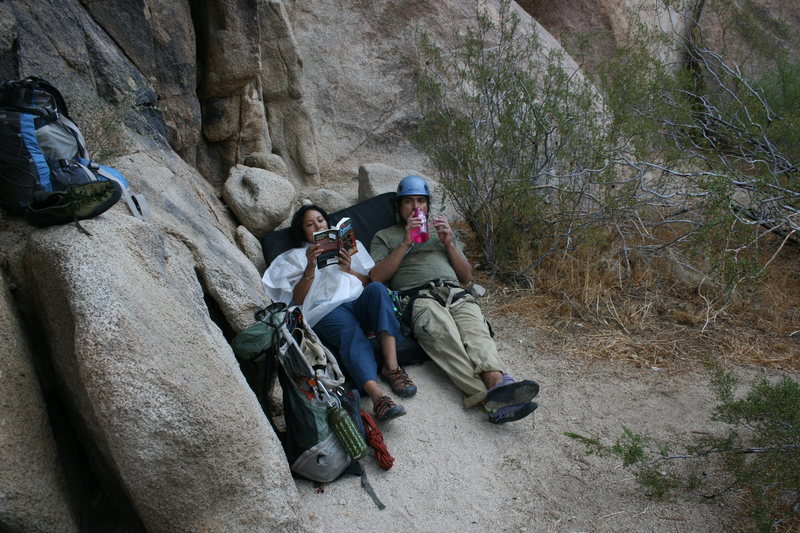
pixel 454 472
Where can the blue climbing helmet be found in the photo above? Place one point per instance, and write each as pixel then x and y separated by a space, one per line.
pixel 413 185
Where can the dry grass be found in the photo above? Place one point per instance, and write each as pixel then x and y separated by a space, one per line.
pixel 643 310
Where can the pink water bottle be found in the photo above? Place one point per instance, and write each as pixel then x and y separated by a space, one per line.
pixel 420 234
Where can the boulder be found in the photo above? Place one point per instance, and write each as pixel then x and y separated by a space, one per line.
pixel 33 495
pixel 259 198
pixel 251 247
pixel 186 206
pixel 154 386
pixel 272 162
pixel 328 200
pixel 230 51
pixel 238 124
pixel 377 178
pixel 221 117
pixel 253 127
pixel 281 64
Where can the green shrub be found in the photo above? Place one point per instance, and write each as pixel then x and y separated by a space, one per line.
pixel 538 162
pixel 759 453
pixel 512 135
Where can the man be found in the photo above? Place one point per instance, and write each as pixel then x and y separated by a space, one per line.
pixel 446 321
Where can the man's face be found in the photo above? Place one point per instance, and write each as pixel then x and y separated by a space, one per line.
pixel 408 203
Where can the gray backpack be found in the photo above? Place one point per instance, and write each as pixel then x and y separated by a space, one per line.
pixel 45 171
pixel 309 376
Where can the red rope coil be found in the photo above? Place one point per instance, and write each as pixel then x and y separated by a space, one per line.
pixel 375 439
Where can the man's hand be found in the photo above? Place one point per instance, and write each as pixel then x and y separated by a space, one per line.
pixel 443 230
pixel 457 260
pixel 411 223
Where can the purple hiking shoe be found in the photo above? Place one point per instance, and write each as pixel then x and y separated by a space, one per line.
pixel 512 413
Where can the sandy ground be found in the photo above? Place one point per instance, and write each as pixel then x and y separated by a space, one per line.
pixel 455 472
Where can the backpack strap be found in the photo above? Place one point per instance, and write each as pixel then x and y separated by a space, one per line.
pixel 65 121
pixel 15 94
pixel 357 469
pixel 44 120
pixel 270 371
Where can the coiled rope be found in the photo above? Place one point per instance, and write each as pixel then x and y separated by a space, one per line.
pixel 375 439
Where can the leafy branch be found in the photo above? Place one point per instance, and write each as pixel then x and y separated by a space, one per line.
pixel 540 162
pixel 760 452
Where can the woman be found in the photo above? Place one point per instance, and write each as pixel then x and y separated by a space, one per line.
pixel 340 303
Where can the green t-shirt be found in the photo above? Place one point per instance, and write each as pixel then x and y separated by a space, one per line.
pixel 424 262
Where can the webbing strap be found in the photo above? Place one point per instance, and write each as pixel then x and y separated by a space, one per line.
pixel 429 285
pixel 453 299
pixel 370 491
pixel 76 133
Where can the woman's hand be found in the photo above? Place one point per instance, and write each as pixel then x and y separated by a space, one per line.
pixel 346 262
pixel 303 285
pixel 312 252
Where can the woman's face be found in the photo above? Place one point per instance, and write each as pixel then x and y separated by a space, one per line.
pixel 313 221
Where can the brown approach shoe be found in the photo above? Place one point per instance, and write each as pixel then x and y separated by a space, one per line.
pixel 386 409
pixel 400 383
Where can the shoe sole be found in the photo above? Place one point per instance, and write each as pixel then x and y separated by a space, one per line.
pixel 402 393
pixel 394 412
pixel 521 413
pixel 511 394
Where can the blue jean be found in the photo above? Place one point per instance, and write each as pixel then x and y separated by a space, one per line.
pixel 343 331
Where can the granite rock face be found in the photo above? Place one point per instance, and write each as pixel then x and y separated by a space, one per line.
pixel 224 115
pixel 33 491
pixel 359 65
pixel 153 385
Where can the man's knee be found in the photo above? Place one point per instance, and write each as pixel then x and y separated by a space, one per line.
pixel 469 315
pixel 431 323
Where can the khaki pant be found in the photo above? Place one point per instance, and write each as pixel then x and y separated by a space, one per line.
pixel 457 339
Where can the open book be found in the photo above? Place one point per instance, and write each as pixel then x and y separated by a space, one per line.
pixel 339 237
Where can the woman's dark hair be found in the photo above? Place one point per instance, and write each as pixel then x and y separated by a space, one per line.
pixel 296 227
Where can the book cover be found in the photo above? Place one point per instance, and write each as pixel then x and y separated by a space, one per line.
pixel 339 237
